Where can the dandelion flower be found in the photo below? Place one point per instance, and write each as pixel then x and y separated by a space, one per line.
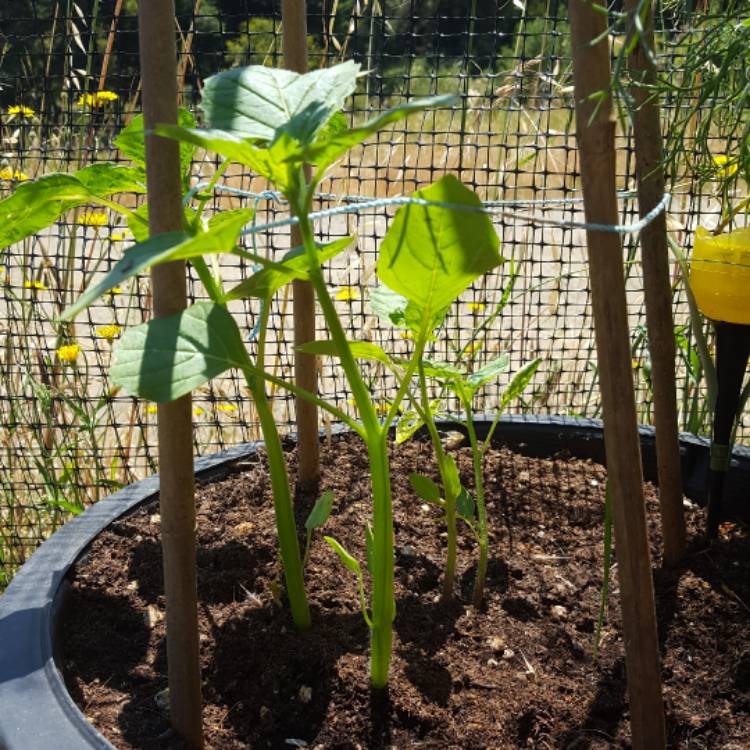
pixel 347 294
pixel 406 335
pixel 13 175
pixel 117 236
pixel 96 100
pixel 68 353
pixel 725 167
pixel 476 306
pixel 198 411
pixel 20 110
pixel 35 284
pixel 382 408
pixel 93 219
pixel 226 407
pixel 109 332
pixel 114 290
pixel 152 409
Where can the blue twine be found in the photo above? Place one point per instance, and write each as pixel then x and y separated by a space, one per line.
pixel 361 203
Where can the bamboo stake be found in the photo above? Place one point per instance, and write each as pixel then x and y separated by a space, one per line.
pixel 294 26
pixel 658 290
pixel 596 133
pixel 158 55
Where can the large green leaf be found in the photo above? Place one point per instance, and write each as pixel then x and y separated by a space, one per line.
pixel 331 146
pixel 131 141
pixel 266 282
pixel 106 178
pixel 271 162
pixel 138 221
pixel 221 237
pixel 38 204
pixel 168 357
pixel 431 254
pixel 256 102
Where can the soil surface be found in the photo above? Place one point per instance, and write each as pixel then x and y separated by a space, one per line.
pixel 519 674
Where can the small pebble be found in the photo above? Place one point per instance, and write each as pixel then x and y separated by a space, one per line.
pixel 408 551
pixel 265 713
pixel 496 643
pixel 155 518
pixel 492 662
pixel 424 507
pixel 508 653
pixel 305 693
pixel 559 612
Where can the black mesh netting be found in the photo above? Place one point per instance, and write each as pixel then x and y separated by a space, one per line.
pixel 68 438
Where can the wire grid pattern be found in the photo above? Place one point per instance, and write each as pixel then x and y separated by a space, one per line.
pixel 69 438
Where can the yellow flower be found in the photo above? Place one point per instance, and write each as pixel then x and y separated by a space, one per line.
pixel 96 100
pixel 109 332
pixel 406 335
pixel 197 411
pixel 476 306
pixel 6 173
pixel 152 409
pixel 382 408
pixel 117 236
pixel 35 285
pixel 20 110
pixel 93 219
pixel 226 407
pixel 114 290
pixel 725 166
pixel 68 353
pixel 347 293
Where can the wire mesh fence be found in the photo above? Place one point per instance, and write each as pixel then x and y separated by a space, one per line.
pixel 69 81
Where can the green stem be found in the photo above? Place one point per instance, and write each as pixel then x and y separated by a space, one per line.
pixel 383 604
pixel 449 497
pixel 283 506
pixel 476 455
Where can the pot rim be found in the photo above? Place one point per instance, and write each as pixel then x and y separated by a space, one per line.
pixel 39 713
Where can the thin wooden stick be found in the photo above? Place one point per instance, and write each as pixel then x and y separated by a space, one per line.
pixel 596 143
pixel 294 26
pixel 110 45
pixel 158 54
pixel 658 290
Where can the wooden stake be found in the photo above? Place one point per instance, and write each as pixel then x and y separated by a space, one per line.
pixel 294 26
pixel 596 134
pixel 658 290
pixel 158 55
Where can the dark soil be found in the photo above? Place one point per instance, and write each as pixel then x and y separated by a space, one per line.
pixel 518 675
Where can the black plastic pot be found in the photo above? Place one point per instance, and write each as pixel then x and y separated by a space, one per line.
pixel 36 712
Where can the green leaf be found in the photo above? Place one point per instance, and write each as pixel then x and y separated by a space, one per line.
pixel 168 357
pixel 321 511
pixel 489 371
pixel 442 370
pixel 330 147
pixel 388 305
pixel 430 254
pixel 131 141
pixel 359 349
pixel 106 178
pixel 266 282
pixel 519 382
pixel 138 222
pixel 256 102
pixel 349 562
pixel 452 477
pixel 465 504
pixel 271 162
pixel 38 204
pixel 220 237
pixel 425 487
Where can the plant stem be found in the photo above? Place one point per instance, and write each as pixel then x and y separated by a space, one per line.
pixel 476 455
pixel 383 605
pixel 449 497
pixel 283 507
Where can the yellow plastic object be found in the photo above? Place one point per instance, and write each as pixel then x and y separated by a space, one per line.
pixel 720 275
